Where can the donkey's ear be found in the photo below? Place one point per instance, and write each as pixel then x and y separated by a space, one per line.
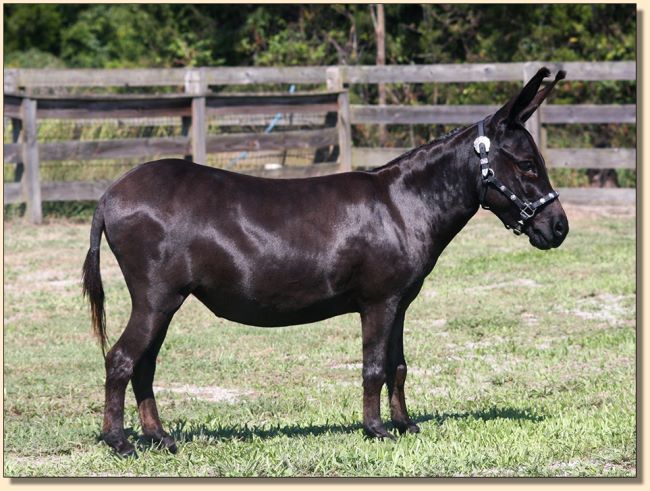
pixel 514 107
pixel 539 97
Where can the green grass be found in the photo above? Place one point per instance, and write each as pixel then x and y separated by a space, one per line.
pixel 521 363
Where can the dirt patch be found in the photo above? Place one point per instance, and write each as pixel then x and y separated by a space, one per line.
pixel 569 468
pixel 495 472
pixel 348 366
pixel 49 278
pixel 605 307
pixel 430 293
pixel 508 284
pixel 37 460
pixel 411 370
pixel 208 393
pixel 529 319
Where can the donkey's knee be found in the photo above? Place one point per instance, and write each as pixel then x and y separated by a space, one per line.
pixel 374 377
pixel 119 366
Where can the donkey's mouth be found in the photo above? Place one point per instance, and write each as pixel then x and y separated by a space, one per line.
pixel 538 239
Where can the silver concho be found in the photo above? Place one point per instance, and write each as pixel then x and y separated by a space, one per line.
pixel 484 140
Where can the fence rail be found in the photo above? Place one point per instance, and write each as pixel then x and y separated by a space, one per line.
pixel 195 103
pixel 442 73
pixel 466 114
pixel 24 112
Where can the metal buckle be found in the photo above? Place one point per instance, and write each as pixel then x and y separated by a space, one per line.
pixel 517 229
pixel 485 141
pixel 527 211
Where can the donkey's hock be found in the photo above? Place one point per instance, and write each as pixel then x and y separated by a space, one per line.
pixel 277 252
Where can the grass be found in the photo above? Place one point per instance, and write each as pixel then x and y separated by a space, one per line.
pixel 521 363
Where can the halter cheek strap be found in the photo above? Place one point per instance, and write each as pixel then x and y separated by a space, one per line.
pixel 527 209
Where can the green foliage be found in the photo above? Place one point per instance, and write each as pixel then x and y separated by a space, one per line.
pixel 170 35
pixel 33 26
pixel 111 35
pixel 33 58
pixel 504 33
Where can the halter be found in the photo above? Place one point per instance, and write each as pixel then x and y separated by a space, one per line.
pixel 526 209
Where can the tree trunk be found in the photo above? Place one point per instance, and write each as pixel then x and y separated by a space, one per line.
pixel 379 21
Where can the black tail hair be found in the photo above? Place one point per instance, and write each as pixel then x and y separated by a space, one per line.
pixel 92 279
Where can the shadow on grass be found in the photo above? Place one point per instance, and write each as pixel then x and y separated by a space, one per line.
pixel 247 433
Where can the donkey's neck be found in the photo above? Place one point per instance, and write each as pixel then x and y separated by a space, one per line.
pixel 436 187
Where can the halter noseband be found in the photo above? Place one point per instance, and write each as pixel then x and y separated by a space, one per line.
pixel 526 209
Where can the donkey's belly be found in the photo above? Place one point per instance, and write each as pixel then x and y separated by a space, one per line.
pixel 267 312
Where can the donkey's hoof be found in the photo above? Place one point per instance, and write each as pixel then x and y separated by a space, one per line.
pixel 126 451
pixel 378 432
pixel 162 441
pixel 118 443
pixel 412 428
pixel 169 443
pixel 406 427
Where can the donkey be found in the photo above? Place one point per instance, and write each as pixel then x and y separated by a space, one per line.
pixel 278 252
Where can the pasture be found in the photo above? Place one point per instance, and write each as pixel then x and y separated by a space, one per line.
pixel 521 363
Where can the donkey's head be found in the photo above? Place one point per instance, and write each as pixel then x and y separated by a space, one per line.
pixel 514 182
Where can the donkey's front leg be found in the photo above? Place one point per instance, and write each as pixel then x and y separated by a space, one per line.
pixel 396 376
pixel 376 324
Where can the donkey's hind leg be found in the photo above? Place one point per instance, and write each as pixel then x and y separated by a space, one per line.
pixel 142 382
pixel 144 332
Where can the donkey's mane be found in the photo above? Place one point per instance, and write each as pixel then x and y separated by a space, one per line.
pixel 427 145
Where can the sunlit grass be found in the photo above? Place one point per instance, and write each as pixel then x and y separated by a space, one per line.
pixel 521 363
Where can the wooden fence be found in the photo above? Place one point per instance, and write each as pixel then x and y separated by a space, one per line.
pixel 24 112
pixel 196 102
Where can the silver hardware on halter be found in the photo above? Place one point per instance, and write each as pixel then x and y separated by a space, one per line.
pixel 487 172
pixel 484 140
pixel 527 211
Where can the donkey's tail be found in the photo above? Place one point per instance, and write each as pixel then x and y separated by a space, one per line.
pixel 92 279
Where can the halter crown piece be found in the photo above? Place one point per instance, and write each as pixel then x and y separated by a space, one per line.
pixel 526 209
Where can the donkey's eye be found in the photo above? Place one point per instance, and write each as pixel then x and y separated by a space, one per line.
pixel 526 165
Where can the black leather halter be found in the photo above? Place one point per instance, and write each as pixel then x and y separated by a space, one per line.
pixel 526 209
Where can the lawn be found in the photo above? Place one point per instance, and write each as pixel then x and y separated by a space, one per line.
pixel 521 363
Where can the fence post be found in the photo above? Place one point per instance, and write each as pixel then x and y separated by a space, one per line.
pixel 345 132
pixel 198 130
pixel 10 82
pixel 533 125
pixel 16 131
pixel 196 86
pixel 334 79
pixel 335 82
pixel 32 179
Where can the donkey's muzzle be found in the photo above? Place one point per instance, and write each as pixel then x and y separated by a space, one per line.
pixel 548 234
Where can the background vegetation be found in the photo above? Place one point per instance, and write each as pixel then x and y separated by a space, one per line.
pixel 168 35
pixel 175 35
